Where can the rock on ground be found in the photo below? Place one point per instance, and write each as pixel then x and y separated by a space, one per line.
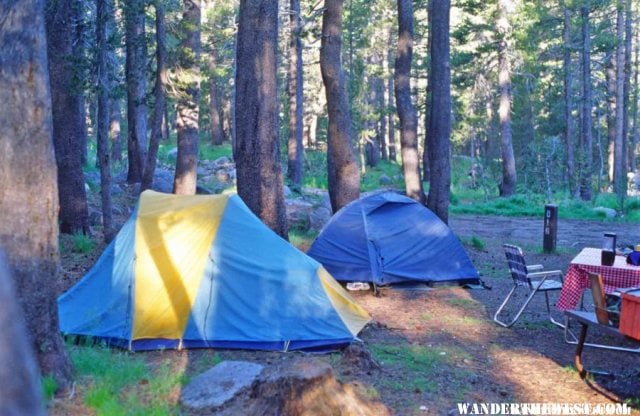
pixel 218 385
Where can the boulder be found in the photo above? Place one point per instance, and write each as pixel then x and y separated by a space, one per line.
pixel 298 211
pixel 223 160
pixel 385 180
pixel 223 175
pixel 608 212
pixel 319 217
pixel 218 385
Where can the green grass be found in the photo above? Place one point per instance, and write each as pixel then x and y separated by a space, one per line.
pixel 477 243
pixel 315 173
pixel 82 243
pixel 412 358
pixel 209 152
pixel 464 303
pixel 49 387
pixel 302 239
pixel 371 179
pixel 120 383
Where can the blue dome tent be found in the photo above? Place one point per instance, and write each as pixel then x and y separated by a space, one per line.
pixel 389 238
pixel 203 271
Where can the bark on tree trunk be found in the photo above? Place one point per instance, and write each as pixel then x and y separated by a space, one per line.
pixel 217 133
pixel 440 119
pixel 586 168
pixel 610 76
pixel 260 179
pixel 19 374
pixel 406 111
pixel 627 87
pixel 634 132
pixel 619 171
pixel 160 101
pixel 68 117
pixel 114 129
pixel 104 10
pixel 166 129
pixel 426 175
pixel 136 64
pixel 503 27
pixel 343 173
pixel 295 151
pixel 188 100
pixel 391 111
pixel 568 102
pixel 29 197
pixel 382 104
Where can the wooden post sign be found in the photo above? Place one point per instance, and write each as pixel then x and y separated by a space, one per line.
pixel 550 228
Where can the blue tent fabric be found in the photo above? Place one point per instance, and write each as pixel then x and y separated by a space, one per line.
pixel 256 291
pixel 388 238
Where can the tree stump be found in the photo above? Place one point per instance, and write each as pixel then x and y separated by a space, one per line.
pixel 307 387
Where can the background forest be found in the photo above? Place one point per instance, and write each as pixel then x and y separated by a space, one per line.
pixel 543 96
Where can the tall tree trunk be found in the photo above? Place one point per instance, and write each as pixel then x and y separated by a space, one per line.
pixel 568 101
pixel 391 112
pixel 136 65
pixel 439 133
pixel 114 129
pixel 80 74
pixel 104 10
pixel 384 109
pixel 159 93
pixel 21 392
pixel 627 85
pixel 343 173
pixel 586 168
pixel 610 77
pixel 188 100
pixel 426 174
pixel 406 111
pixel 634 132
pixel 619 171
pixel 68 115
pixel 295 151
pixel 217 133
pixel 504 32
pixel 260 179
pixel 166 122
pixel 29 196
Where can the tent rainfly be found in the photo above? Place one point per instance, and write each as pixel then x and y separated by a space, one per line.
pixel 388 238
pixel 204 271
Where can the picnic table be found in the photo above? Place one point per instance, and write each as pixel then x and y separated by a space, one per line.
pixel 576 280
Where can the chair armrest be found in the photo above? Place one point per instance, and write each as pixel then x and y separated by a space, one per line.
pixel 535 267
pixel 545 274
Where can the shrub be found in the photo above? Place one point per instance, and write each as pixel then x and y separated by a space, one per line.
pixel 82 243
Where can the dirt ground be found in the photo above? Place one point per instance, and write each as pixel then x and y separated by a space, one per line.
pixel 436 348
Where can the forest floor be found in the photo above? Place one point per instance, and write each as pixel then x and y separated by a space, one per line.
pixel 440 347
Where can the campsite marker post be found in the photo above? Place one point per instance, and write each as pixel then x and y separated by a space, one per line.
pixel 550 228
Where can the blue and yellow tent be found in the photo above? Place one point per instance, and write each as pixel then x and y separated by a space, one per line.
pixel 204 271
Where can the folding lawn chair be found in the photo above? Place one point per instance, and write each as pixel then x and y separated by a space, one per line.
pixel 532 279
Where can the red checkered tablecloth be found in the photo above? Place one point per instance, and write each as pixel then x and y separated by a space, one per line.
pixel 576 280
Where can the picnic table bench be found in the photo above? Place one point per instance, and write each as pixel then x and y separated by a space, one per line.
pixel 587 319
